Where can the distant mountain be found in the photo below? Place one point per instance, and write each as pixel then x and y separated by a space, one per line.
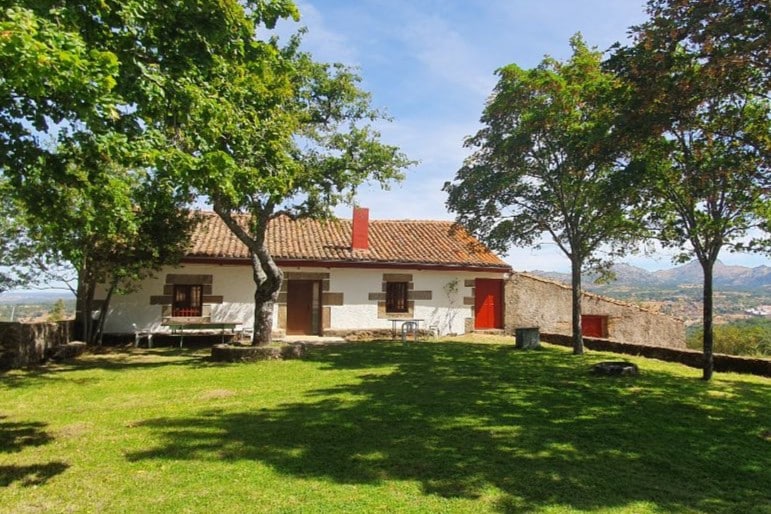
pixel 725 277
pixel 626 274
pixel 690 273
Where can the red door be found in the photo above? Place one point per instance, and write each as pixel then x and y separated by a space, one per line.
pixel 594 326
pixel 488 312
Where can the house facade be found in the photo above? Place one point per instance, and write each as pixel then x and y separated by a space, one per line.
pixel 341 277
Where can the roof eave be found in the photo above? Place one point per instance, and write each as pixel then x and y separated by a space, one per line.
pixel 327 263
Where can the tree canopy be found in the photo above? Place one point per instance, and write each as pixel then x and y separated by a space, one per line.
pixel 80 180
pixel 542 166
pixel 177 99
pixel 295 143
pixel 699 116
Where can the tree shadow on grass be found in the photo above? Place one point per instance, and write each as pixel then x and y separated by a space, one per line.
pixel 459 419
pixel 31 476
pixel 109 359
pixel 14 437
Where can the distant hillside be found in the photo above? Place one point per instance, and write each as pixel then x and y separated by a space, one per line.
pixel 740 292
pixel 725 277
pixel 33 305
pixel 34 297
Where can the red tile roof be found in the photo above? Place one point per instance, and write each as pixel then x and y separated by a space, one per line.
pixel 427 243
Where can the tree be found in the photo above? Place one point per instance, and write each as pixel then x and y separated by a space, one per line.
pixel 542 165
pixel 110 223
pixel 307 149
pixel 58 311
pixel 729 38
pixel 750 337
pixel 80 180
pixel 256 128
pixel 711 188
pixel 53 86
pixel 700 76
pixel 15 255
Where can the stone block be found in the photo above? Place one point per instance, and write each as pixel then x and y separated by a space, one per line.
pixel 527 338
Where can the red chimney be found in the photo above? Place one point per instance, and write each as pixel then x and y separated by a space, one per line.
pixel 360 235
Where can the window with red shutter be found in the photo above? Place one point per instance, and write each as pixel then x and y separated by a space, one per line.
pixel 187 300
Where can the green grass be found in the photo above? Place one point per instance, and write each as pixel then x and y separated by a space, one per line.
pixel 381 427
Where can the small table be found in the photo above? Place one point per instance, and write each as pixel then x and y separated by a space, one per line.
pixel 179 327
pixel 395 321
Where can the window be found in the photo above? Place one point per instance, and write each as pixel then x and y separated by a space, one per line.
pixel 396 297
pixel 187 301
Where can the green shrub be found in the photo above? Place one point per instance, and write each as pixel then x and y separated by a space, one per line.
pixel 750 337
pixel 58 312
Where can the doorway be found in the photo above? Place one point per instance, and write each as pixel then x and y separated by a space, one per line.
pixel 488 307
pixel 303 307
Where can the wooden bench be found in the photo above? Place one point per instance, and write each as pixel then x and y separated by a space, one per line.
pixel 198 325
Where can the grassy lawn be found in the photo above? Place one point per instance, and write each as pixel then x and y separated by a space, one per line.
pixel 380 427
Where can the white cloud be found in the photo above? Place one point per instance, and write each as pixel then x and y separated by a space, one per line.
pixel 436 143
pixel 446 55
pixel 325 43
pixel 438 147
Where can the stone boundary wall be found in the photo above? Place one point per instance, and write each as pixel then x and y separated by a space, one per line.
pixel 692 358
pixel 532 301
pixel 25 344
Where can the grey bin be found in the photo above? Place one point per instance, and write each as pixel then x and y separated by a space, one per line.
pixel 527 338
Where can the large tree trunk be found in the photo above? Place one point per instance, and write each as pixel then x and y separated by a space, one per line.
pixel 707 267
pixel 84 326
pixel 575 277
pixel 267 275
pixel 103 314
pixel 267 278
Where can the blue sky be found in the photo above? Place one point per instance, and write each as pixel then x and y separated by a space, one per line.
pixel 430 65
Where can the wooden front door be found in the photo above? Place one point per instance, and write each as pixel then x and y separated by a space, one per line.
pixel 488 308
pixel 303 307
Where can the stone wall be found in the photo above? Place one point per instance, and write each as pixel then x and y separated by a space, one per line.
pixel 536 302
pixel 691 358
pixel 24 344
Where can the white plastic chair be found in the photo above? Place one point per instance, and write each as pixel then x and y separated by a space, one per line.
pixel 407 327
pixel 139 334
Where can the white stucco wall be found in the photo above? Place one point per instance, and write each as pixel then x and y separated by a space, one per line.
pixel 233 283
pixel 445 309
